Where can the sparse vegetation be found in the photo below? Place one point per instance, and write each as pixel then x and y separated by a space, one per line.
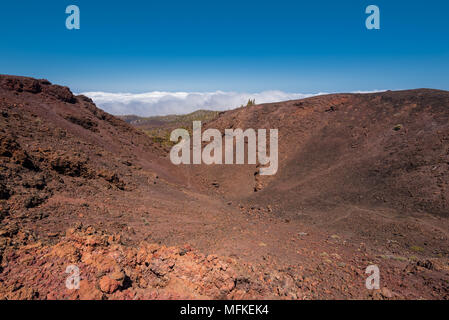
pixel 251 102
pixel 417 248
pixel 158 128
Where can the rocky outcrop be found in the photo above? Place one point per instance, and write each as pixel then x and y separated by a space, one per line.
pixel 110 270
pixel 21 84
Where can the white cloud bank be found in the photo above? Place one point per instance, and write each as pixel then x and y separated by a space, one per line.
pixel 163 103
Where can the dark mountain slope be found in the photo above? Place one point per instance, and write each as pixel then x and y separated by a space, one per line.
pixel 387 149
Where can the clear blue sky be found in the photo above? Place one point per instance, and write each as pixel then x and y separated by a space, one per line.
pixel 256 45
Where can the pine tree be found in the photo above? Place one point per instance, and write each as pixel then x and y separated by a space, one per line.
pixel 251 102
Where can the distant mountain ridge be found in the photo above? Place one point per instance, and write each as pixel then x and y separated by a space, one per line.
pixel 158 128
pixel 201 115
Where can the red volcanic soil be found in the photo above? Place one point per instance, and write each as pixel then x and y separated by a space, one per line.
pixel 362 180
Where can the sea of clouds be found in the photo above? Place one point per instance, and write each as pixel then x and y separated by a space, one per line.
pixel 163 103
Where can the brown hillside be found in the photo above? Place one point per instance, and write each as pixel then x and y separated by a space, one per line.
pixel 386 150
pixel 363 179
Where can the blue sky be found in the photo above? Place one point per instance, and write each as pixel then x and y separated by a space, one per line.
pixel 243 46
